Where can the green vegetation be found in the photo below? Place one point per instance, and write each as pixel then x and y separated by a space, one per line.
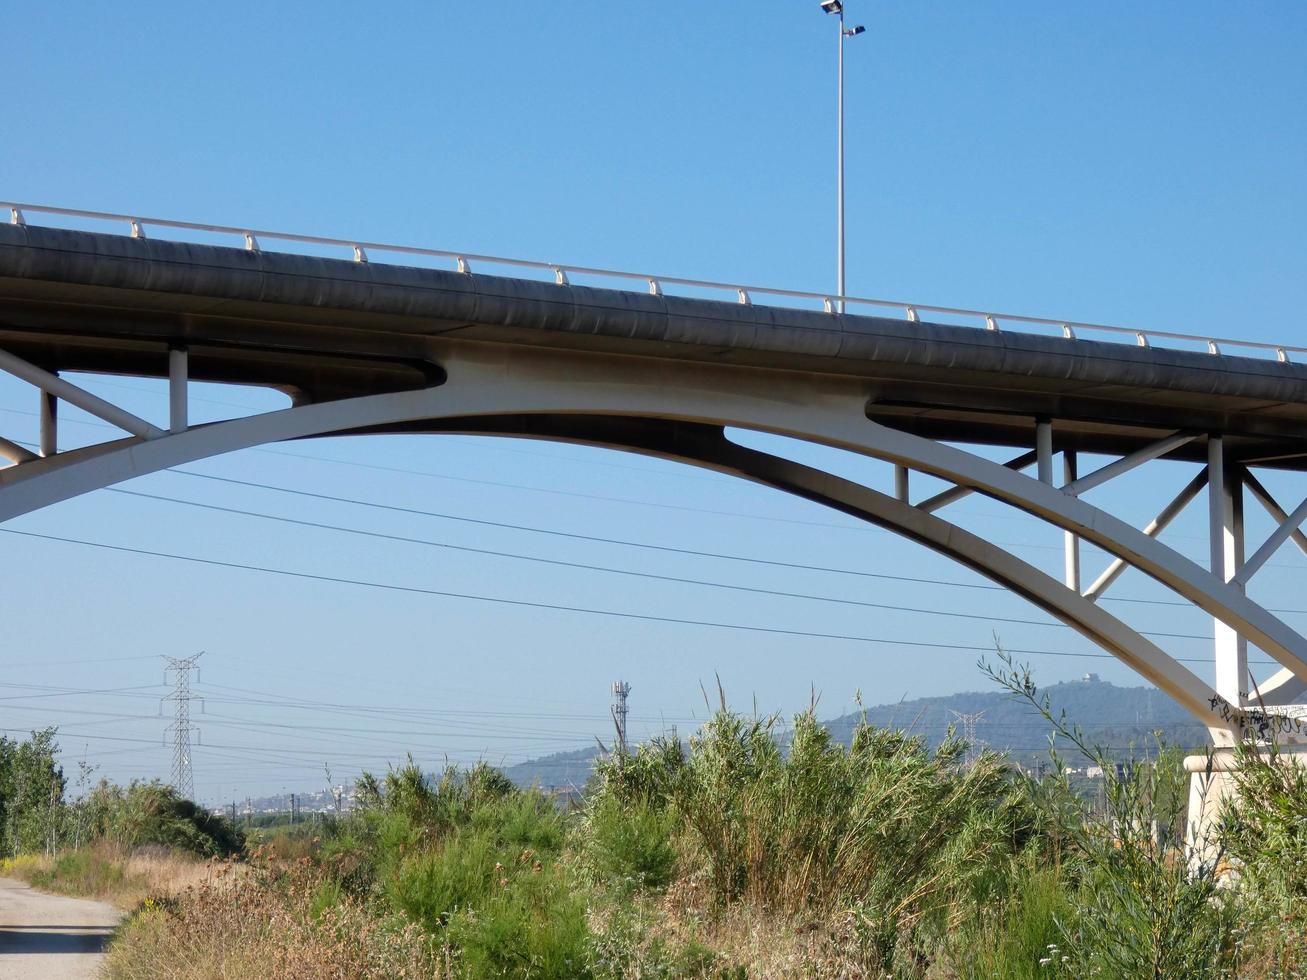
pixel 31 794
pixel 1113 717
pixel 737 854
pixel 36 817
pixel 1266 836
pixel 901 839
pixel 1141 903
pixel 117 843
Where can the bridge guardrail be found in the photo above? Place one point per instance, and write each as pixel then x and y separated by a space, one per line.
pixel 746 294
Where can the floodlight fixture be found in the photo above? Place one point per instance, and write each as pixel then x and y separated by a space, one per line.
pixel 837 7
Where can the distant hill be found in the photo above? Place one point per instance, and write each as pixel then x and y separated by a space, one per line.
pixel 1111 716
pixel 562 769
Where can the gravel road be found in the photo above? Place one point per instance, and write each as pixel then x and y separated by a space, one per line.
pixel 50 937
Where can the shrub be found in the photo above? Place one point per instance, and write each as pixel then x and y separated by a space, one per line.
pixel 80 873
pixel 431 886
pixel 1265 830
pixel 255 925
pixel 530 923
pixel 146 813
pixel 523 819
pixel 508 909
pixel 435 805
pixel 629 845
pixel 475 861
pixel 465 865
pixel 1017 939
pixel 1144 905
pixel 905 836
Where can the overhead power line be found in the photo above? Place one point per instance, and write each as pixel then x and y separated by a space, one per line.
pixel 513 486
pixel 287 701
pixel 528 604
pixel 561 607
pixel 647 546
pixel 64 663
pixel 55 691
pixel 884 576
pixel 608 569
pixel 647 503
pixel 570 535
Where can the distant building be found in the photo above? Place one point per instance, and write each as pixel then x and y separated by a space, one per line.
pixel 1094 772
pixel 1091 678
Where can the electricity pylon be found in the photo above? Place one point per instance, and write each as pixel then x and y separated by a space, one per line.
pixel 969 721
pixel 180 670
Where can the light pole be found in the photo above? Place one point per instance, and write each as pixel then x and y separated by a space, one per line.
pixel 837 7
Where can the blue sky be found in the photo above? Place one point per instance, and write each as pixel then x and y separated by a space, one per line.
pixel 1121 163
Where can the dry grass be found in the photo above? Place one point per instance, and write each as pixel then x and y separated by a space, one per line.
pixel 679 935
pixel 122 878
pixel 264 924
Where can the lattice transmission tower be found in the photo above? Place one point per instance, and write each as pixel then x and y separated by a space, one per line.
pixel 969 722
pixel 178 672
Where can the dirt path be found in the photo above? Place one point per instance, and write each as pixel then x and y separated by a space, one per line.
pixel 51 937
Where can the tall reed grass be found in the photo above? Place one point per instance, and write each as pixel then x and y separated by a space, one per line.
pixel 744 852
pixel 907 838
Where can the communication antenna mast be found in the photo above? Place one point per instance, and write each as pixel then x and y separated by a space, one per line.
pixel 621 690
pixel 969 722
pixel 178 673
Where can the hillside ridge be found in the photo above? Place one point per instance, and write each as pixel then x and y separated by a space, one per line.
pixel 1120 719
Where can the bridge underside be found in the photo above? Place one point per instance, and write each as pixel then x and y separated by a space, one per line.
pixel 363 348
pixel 323 329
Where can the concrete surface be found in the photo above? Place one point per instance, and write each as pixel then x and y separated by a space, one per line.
pixel 51 937
pixel 321 329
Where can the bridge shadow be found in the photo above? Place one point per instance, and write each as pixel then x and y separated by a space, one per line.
pixel 53 939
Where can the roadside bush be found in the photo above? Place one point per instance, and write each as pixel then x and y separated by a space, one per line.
pixel 472 859
pixel 434 805
pixel 631 845
pixel 106 872
pixel 739 853
pixel 147 813
pixel 516 938
pixel 529 922
pixel 493 890
pixel 907 837
pixel 469 864
pixel 85 872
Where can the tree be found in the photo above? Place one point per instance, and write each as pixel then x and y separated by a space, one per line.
pixel 31 794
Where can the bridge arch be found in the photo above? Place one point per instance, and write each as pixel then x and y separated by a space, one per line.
pixel 628 404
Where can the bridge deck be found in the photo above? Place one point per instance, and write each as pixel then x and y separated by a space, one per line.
pixel 325 328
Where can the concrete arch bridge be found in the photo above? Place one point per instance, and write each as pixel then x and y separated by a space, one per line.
pixel 647 364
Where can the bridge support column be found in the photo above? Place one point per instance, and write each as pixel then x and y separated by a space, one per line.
pixel 1071 539
pixel 178 372
pixel 1214 785
pixel 1044 450
pixel 49 424
pixel 1212 782
pixel 1225 509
